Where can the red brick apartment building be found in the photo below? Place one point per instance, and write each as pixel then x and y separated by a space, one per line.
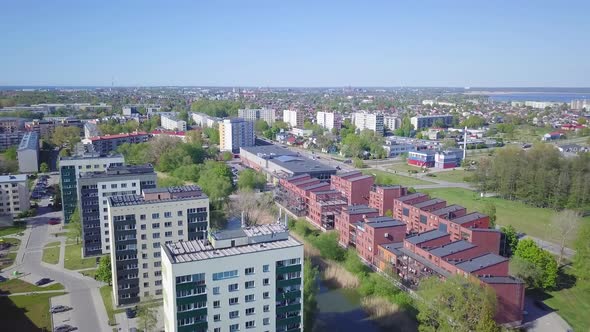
pixel 348 216
pixel 381 197
pixel 324 207
pixel 354 186
pixel 369 233
pixel 294 192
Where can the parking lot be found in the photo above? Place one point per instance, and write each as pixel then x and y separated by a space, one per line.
pixel 42 189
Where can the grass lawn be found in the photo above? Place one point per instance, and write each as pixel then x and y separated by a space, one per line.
pixel 19 286
pixel 73 258
pixel 14 243
pixel 89 273
pixel 26 313
pixel 456 175
pixel 530 220
pixel 386 178
pixel 51 255
pixel 52 244
pixel 106 292
pixel 404 168
pixel 11 230
pixel 7 260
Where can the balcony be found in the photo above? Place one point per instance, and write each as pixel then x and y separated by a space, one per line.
pixel 288 269
pixel 288 295
pixel 296 307
pixel 289 321
pixel 288 282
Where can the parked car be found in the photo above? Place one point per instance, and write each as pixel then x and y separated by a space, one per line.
pixel 54 221
pixel 59 308
pixel 43 281
pixel 130 312
pixel 64 328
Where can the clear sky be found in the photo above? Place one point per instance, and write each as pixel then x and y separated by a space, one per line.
pixel 295 43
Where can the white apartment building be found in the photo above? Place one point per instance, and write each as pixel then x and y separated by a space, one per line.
pixel 578 104
pixel 371 121
pixel 28 153
pixel 294 118
pixel 240 279
pixel 14 195
pixel 427 121
pixel 204 120
pixel 140 224
pixel 171 122
pixel 541 104
pixel 250 114
pixel 391 122
pixel 328 120
pixel 235 133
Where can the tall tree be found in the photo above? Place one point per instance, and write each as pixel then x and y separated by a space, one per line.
pixel 44 168
pixel 75 226
pixel 147 316
pixel 510 240
pixel 528 251
pixel 565 225
pixel 10 153
pixel 250 179
pixel 103 272
pixel 457 304
pixel 66 137
pixel 490 210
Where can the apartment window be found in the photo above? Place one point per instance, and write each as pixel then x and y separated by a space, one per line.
pixel 146 275
pixel 168 234
pixel 225 275
pixel 234 327
pixel 144 265
pixel 156 225
pixel 146 284
pixel 156 245
pixel 265 282
pixel 217 329
pixel 143 236
pixel 216 304
pixel 158 282
pixel 157 255
pixel 142 217
pixel 144 246
pixel 143 227
pixel 114 186
pixel 232 287
pixel 249 271
pixel 249 298
pixel 265 321
pixel 216 318
pixel 179 213
pixel 167 214
pixel 155 216
pixel 233 301
pixel 215 290
pixel 266 295
pixel 250 324
pixel 123 185
pixel 155 235
pixel 168 224
pixel 249 311
pixel 104 186
pixel 265 268
pixel 134 184
pixel 266 308
pixel 234 314
pixel 249 284
pixel 180 223
pixel 180 232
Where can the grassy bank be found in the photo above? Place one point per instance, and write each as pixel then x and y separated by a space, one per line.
pixel 456 175
pixel 386 178
pixel 106 292
pixel 14 286
pixel 11 230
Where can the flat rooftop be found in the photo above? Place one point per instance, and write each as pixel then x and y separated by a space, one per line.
pixel 393 247
pixel 301 165
pixel 426 236
pixel 468 218
pixel 30 141
pixel 360 177
pixel 304 181
pixel 382 222
pixel 410 197
pixel 13 178
pixel 480 262
pixel 120 171
pixel 172 190
pixel 359 209
pixel 349 173
pixel 451 248
pixel 91 156
pixel 315 186
pixel 199 250
pixel 501 280
pixel 270 150
pixel 446 210
pixel 429 203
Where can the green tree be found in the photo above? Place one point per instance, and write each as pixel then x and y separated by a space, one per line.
pixel 216 182
pixel 490 210
pixel 474 121
pixel 103 272
pixel 75 226
pixel 581 261
pixel 389 213
pixel 510 239
pixel 227 156
pixel 147 315
pixel 457 304
pixel 310 289
pixel 528 251
pixel 212 134
pixel 44 168
pixel 565 225
pixel 449 143
pixel 250 179
pixel 358 163
pixel 10 153
pixel 405 128
pixel 260 126
pixel 66 137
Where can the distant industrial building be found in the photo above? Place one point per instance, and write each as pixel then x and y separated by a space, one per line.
pixel 328 120
pixel 235 133
pixel 279 162
pixel 28 153
pixel 109 143
pixel 294 118
pixel 427 121
pixel 371 121
pixel 14 195
pixel 171 122
pixel 265 114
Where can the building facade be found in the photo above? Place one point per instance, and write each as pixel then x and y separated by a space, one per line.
pixel 371 121
pixel 69 172
pixel 140 224
pixel 238 280
pixel 204 120
pixel 391 122
pixel 252 115
pixel 427 121
pixel 14 195
pixel 235 133
pixel 28 153
pixel 109 143
pixel 328 120
pixel 171 122
pixel 94 190
pixel 294 118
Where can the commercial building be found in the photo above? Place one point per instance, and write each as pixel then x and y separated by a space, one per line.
pixel 253 115
pixel 14 195
pixel 204 120
pixel 171 122
pixel 424 158
pixel 94 190
pixel 328 120
pixel 140 224
pixel 371 121
pixel 427 121
pixel 235 134
pixel 28 153
pixel 279 162
pixel 109 143
pixel 294 118
pixel 239 279
pixel 69 171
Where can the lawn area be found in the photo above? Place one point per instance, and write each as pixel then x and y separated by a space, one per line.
pixel 530 220
pixel 106 292
pixel 73 258
pixel 51 255
pixel 456 175
pixel 386 178
pixel 11 230
pixel 404 168
pixel 52 244
pixel 89 273
pixel 26 313
pixel 19 286
pixel 7 260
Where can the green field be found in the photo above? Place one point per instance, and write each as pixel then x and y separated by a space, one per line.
pixel 530 220
pixel 73 258
pixel 11 230
pixel 386 178
pixel 456 175
pixel 404 168
pixel 51 255
pixel 7 260
pixel 19 286
pixel 89 273
pixel 26 313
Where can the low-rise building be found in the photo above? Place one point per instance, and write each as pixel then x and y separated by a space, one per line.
pixel 106 144
pixel 354 186
pixel 204 120
pixel 28 153
pixel 14 195
pixel 381 197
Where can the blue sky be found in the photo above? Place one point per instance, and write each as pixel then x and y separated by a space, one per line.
pixel 295 43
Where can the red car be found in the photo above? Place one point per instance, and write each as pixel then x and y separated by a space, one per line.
pixel 54 221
